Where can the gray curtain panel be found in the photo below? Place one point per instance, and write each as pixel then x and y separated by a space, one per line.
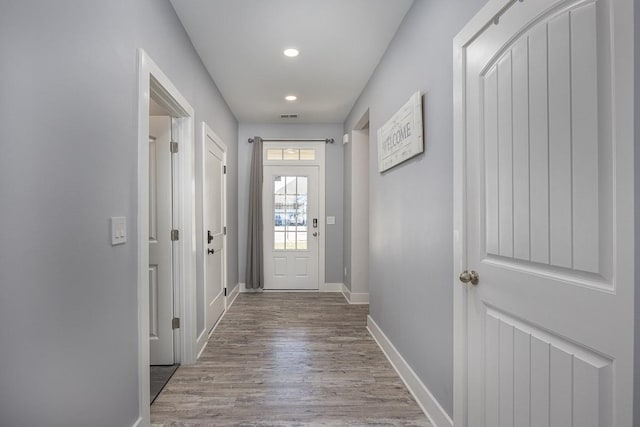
pixel 254 274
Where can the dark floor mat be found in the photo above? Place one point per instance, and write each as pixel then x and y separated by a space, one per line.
pixel 160 376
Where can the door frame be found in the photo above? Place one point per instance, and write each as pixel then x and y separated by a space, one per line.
pixel 360 253
pixel 151 79
pixel 207 132
pixel 622 79
pixel 320 161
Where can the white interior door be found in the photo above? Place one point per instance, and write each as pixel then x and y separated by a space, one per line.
pixel 214 211
pixel 550 321
pixel 291 227
pixel 161 350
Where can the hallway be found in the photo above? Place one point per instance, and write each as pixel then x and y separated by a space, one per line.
pixel 289 359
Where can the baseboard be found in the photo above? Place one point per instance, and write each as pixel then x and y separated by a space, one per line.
pixel 233 294
pixel 243 288
pixel 326 287
pixel 331 287
pixel 355 297
pixel 420 392
pixel 138 422
pixel 201 343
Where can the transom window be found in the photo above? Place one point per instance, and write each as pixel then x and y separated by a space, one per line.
pixel 291 154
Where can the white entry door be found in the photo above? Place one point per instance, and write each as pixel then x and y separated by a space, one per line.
pixel 548 217
pixel 160 245
pixel 291 227
pixel 214 223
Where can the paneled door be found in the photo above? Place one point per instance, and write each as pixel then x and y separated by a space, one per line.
pixel 291 227
pixel 549 284
pixel 161 350
pixel 214 227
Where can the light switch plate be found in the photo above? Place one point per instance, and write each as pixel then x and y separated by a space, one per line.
pixel 331 220
pixel 118 230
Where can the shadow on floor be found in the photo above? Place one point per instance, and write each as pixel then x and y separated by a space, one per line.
pixel 160 376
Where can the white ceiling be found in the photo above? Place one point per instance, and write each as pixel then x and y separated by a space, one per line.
pixel 340 42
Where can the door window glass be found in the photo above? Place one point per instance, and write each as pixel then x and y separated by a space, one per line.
pixel 290 212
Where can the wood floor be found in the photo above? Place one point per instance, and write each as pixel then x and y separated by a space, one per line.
pixel 289 359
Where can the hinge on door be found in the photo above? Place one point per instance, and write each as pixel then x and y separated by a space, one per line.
pixel 225 292
pixel 173 147
pixel 224 230
pixel 225 169
pixel 175 235
pixel 175 323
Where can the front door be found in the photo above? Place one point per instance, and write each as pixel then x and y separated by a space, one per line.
pixel 214 209
pixel 550 319
pixel 291 227
pixel 160 244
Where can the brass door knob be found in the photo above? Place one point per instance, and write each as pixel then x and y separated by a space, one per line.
pixel 470 277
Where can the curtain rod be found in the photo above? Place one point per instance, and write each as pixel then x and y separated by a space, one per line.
pixel 326 140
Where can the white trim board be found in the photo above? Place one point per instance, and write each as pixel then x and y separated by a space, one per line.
pixel 233 294
pixel 427 402
pixel 138 422
pixel 243 289
pixel 326 287
pixel 355 297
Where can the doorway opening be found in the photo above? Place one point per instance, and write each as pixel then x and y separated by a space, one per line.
pixel 294 209
pixel 165 227
pixel 357 180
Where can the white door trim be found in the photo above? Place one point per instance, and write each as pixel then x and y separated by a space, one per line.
pixel 622 95
pixel 320 162
pixel 152 79
pixel 207 132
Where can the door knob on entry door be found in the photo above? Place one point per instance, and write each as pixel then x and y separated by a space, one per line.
pixel 315 234
pixel 470 277
pixel 210 251
pixel 209 236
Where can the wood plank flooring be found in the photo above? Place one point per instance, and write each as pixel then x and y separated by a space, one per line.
pixel 289 359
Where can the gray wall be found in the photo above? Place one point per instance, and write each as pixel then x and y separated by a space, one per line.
pixel 411 210
pixel 333 185
pixel 68 122
pixel 636 117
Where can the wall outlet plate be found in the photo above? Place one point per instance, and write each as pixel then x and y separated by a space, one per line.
pixel 118 230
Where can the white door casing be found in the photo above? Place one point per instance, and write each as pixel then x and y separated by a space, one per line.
pixel 161 351
pixel 214 224
pixel 152 80
pixel 291 242
pixel 544 214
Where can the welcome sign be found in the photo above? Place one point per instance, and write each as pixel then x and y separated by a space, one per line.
pixel 401 137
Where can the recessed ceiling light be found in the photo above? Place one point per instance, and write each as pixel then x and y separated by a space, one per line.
pixel 291 52
pixel 290 97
